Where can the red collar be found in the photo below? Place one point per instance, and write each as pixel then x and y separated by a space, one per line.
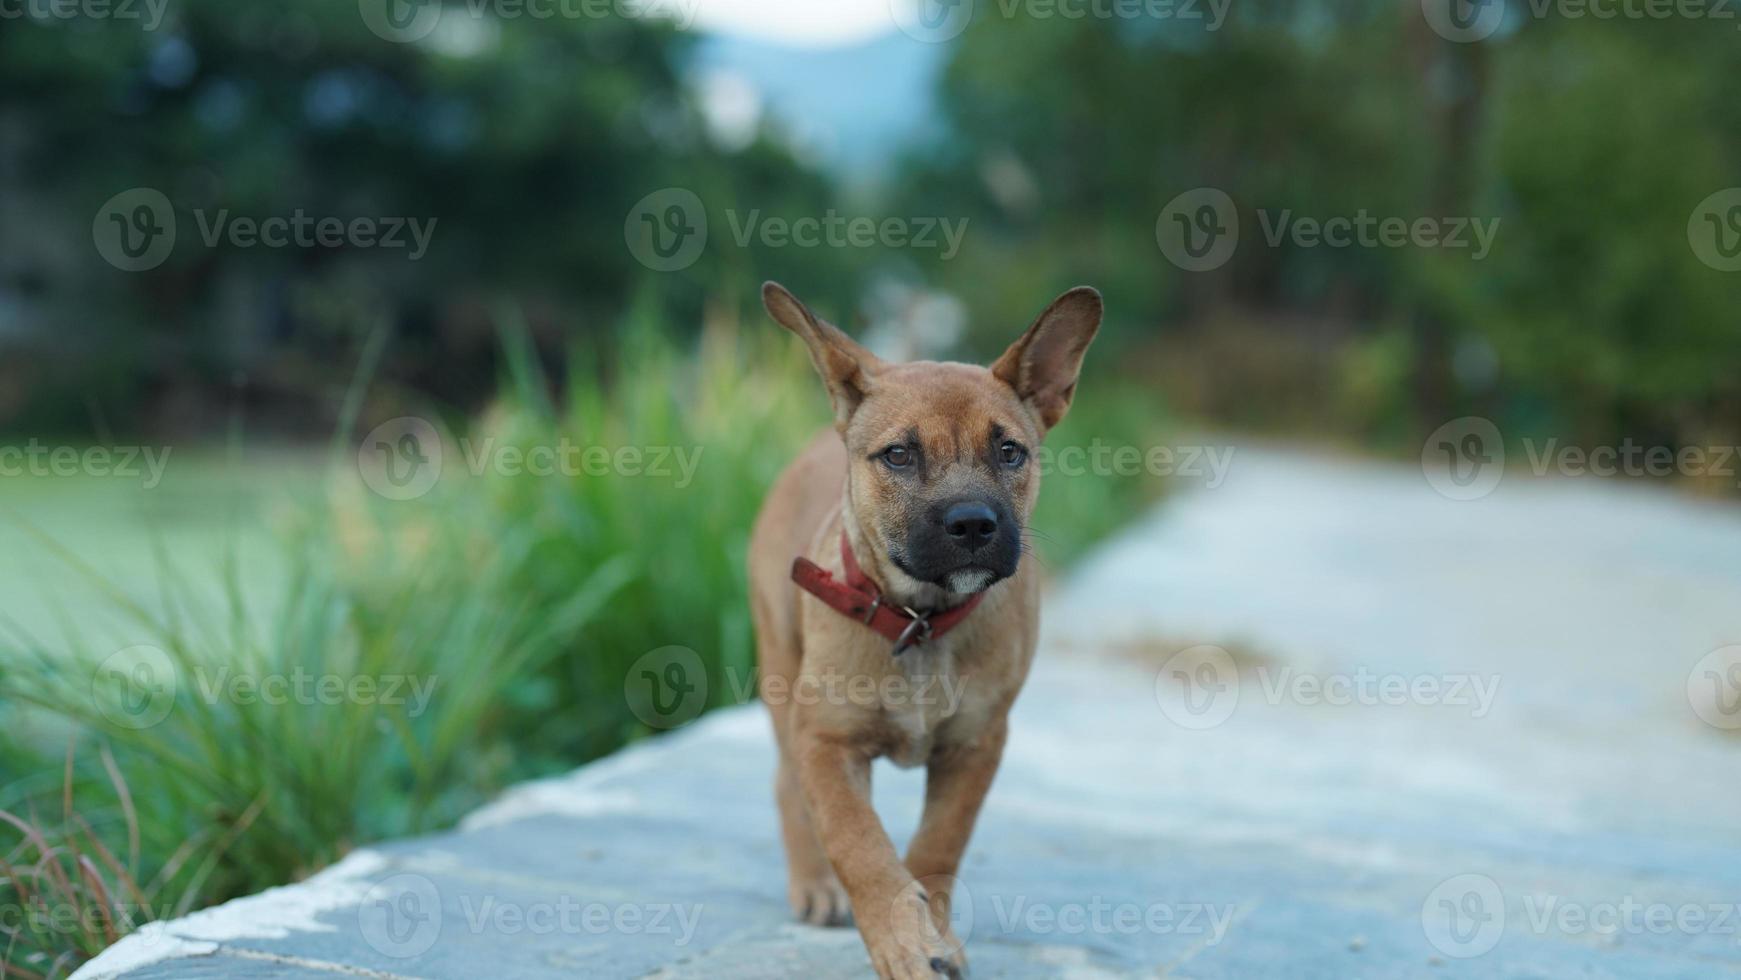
pixel 859 598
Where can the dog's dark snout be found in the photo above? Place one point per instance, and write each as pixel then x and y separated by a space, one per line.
pixel 970 522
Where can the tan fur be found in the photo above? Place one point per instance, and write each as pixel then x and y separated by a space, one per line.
pixel 840 860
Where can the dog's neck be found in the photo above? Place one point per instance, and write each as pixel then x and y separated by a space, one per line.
pixel 897 586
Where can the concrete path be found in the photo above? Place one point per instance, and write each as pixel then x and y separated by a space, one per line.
pixel 1317 722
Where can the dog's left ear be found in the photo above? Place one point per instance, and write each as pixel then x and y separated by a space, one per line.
pixel 846 368
pixel 1042 366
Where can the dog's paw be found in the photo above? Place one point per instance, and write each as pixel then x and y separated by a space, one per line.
pixel 951 964
pixel 903 964
pixel 914 944
pixel 949 949
pixel 820 902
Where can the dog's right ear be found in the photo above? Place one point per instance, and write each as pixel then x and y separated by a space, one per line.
pixel 846 368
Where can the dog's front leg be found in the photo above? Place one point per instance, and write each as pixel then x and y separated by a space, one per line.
pixel 891 911
pixel 956 782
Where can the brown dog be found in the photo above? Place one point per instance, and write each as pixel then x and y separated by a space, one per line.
pixel 907 628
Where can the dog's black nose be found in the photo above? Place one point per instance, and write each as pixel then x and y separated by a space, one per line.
pixel 971 523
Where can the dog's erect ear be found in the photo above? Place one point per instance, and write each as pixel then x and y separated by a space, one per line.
pixel 1042 366
pixel 846 368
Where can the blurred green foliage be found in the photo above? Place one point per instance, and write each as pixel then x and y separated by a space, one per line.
pixel 1591 143
pixel 530 140
pixel 517 601
pixel 526 140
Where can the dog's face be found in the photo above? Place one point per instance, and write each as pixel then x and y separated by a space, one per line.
pixel 942 476
pixel 941 472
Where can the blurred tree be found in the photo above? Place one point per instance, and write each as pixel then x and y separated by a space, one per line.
pixel 522 143
pixel 1590 144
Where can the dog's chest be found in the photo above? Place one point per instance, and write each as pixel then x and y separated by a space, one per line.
pixel 921 701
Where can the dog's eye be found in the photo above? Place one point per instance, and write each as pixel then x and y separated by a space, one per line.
pixel 898 457
pixel 1012 454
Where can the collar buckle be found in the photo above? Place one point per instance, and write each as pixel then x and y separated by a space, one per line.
pixel 916 632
